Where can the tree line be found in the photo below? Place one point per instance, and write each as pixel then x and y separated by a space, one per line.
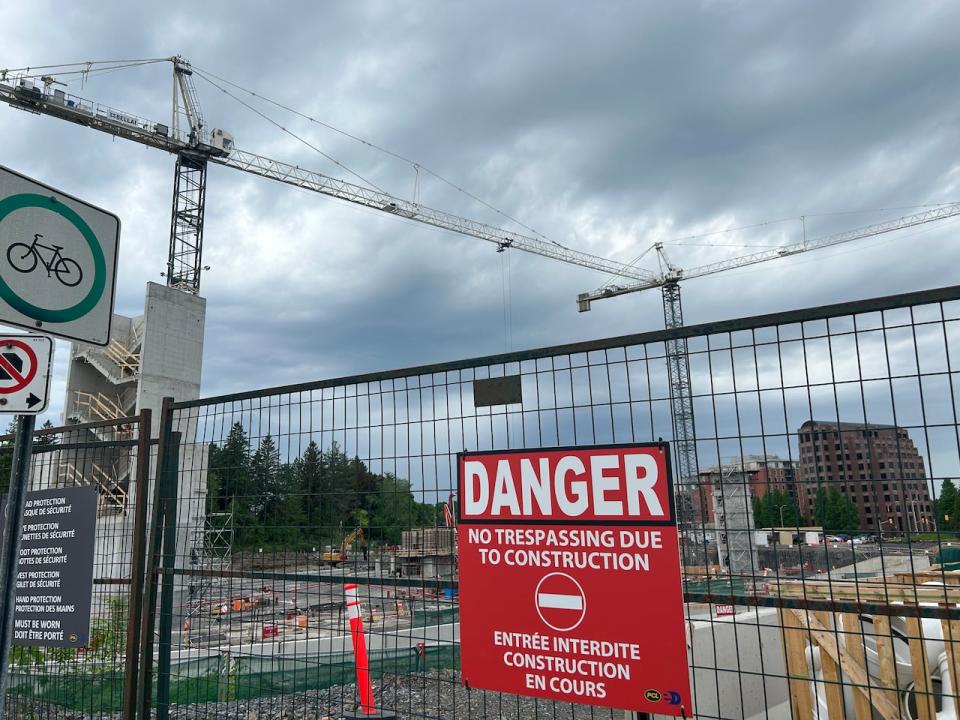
pixel 832 510
pixel 315 500
pixel 947 506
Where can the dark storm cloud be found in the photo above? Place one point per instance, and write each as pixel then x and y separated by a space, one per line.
pixel 605 126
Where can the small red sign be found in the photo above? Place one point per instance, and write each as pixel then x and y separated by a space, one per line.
pixel 570 577
pixel 724 610
pixel 18 365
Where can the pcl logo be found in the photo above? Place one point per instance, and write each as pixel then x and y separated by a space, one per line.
pixel 653 695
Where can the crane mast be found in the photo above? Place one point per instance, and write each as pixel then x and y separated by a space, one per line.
pixel 195 147
pixel 678 362
pixel 185 256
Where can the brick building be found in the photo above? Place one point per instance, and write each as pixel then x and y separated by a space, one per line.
pixel 762 474
pixel 877 466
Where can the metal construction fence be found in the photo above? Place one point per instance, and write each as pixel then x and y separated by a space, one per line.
pixel 97 678
pixel 817 535
pixel 809 534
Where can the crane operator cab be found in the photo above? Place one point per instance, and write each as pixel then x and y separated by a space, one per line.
pixel 221 140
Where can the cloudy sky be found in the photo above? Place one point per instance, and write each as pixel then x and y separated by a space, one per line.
pixel 605 126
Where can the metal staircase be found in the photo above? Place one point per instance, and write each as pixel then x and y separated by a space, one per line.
pixel 118 362
pixel 111 486
pixel 88 407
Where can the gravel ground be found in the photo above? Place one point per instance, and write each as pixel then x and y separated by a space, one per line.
pixel 429 696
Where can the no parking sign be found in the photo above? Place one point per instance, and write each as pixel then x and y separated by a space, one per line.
pixel 570 577
pixel 24 373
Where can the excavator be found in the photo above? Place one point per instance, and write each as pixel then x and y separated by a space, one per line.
pixel 335 557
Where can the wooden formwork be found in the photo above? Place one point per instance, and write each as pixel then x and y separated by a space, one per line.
pixel 847 659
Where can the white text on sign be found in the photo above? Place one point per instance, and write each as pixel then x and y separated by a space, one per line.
pixel 563 485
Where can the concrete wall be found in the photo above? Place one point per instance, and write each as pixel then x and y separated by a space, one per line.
pixel 171 359
pixel 732 659
pixel 171 363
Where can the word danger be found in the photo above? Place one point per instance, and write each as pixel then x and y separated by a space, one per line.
pixel 598 485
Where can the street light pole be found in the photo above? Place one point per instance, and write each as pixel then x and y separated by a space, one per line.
pixel 780 508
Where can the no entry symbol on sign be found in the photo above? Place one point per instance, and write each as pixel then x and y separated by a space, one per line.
pixel 561 602
pixel 18 366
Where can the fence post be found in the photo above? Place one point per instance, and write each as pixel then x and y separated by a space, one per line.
pixel 165 631
pixel 148 611
pixel 137 563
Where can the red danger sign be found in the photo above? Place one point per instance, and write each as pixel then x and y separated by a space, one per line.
pixel 570 577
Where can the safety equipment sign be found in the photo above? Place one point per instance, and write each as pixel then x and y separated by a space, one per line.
pixel 570 584
pixel 25 373
pixel 55 571
pixel 58 261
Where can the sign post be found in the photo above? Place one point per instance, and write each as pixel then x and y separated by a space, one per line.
pixel 58 260
pixel 570 582
pixel 10 553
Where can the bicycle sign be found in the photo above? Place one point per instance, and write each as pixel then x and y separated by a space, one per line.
pixel 58 258
pixel 24 258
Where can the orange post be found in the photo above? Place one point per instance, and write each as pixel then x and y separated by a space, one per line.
pixel 364 686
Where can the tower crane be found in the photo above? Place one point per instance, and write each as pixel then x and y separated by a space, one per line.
pixel 668 280
pixel 195 146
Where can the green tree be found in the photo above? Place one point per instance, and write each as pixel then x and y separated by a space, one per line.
pixel 6 456
pixel 46 441
pixel 228 470
pixel 266 484
pixel 774 505
pixel 318 498
pixel 292 529
pixel 946 518
pixel 338 489
pixel 395 509
pixel 835 511
pixel 310 478
pixel 361 518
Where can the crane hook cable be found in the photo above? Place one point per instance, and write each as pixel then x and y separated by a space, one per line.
pixel 140 61
pixel 383 150
pixel 290 133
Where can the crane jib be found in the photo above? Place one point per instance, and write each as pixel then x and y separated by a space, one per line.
pixel 318 182
pixel 128 126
